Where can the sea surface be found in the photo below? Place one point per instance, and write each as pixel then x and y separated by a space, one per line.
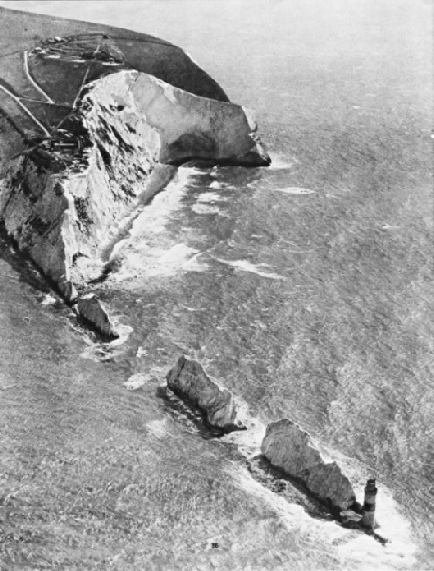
pixel 305 288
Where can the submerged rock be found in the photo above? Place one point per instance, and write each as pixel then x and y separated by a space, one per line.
pixel 289 447
pixel 94 313
pixel 189 381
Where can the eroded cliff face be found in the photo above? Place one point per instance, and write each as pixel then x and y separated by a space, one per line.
pixel 189 381
pixel 67 211
pixel 290 448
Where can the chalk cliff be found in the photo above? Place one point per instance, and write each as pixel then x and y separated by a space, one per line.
pixel 66 211
pixel 189 381
pixel 289 447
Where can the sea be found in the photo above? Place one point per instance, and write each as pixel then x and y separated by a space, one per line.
pixel 305 288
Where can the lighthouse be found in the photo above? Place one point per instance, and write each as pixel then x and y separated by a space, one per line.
pixel 369 506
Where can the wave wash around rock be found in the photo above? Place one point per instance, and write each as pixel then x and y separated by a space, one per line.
pixel 289 447
pixel 135 129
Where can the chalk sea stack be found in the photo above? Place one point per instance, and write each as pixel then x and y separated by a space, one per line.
pixel 100 121
pixel 189 381
pixel 287 446
pixel 92 311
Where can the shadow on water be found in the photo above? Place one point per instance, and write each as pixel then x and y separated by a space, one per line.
pixel 25 269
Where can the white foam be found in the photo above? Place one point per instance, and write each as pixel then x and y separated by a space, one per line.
pixel 196 171
pixel 135 382
pixel 210 197
pixel 215 184
pixel 400 551
pixel 151 261
pixel 205 209
pixel 98 352
pixel 145 247
pixel 140 352
pixel 282 162
pixel 48 300
pixel 248 441
pixel 158 427
pixel 124 332
pixel 246 266
pixel 294 190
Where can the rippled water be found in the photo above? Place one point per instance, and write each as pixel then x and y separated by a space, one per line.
pixel 305 288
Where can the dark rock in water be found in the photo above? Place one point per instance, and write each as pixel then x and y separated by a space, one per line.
pixel 93 312
pixel 290 448
pixel 189 381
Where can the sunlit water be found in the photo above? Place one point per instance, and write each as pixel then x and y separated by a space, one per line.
pixel 305 288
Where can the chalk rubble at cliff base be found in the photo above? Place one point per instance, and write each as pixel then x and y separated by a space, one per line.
pixel 189 381
pixel 287 446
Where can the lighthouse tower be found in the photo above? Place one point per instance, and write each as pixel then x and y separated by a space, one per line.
pixel 369 506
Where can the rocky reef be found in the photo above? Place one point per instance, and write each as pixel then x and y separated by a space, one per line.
pixel 67 199
pixel 290 448
pixel 189 381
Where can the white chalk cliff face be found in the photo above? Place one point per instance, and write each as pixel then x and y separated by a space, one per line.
pixel 66 214
pixel 290 448
pixel 189 381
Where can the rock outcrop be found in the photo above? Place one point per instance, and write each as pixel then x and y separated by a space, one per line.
pixel 289 447
pixel 91 310
pixel 189 381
